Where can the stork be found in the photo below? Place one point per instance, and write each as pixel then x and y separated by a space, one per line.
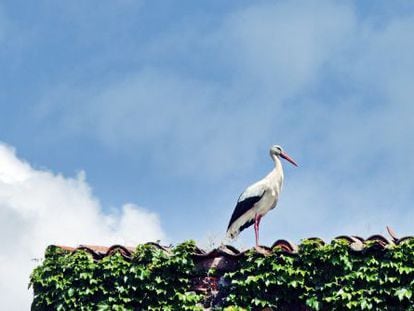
pixel 259 198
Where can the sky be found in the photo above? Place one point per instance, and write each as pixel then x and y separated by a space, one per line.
pixel 133 121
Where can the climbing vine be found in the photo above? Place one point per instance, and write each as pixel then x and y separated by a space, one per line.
pixel 319 277
pixel 326 277
pixel 151 280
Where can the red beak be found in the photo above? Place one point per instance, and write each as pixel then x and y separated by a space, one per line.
pixel 286 157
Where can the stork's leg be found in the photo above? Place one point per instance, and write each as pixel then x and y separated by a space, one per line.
pixel 257 219
pixel 256 233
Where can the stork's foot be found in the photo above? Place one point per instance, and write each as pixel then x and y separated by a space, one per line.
pixel 261 250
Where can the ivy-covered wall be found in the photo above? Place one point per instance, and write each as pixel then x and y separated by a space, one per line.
pixel 318 277
pixel 151 280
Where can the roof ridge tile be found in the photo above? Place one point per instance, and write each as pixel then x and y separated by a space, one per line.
pixel 356 243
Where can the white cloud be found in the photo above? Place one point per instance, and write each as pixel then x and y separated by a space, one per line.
pixel 352 137
pixel 184 125
pixel 39 208
pixel 195 126
pixel 348 117
pixel 201 127
pixel 283 45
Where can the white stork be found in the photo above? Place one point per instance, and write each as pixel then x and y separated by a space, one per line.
pixel 259 198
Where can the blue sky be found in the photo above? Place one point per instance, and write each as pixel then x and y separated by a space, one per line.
pixel 172 106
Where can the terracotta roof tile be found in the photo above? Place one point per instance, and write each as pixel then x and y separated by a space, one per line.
pixel 229 252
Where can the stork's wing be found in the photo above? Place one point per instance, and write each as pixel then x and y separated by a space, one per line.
pixel 244 205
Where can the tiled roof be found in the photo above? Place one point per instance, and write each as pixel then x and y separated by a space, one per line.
pixel 356 243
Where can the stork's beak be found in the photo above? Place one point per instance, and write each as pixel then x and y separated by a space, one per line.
pixel 286 157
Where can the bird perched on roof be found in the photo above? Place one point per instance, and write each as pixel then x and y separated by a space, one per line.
pixel 259 198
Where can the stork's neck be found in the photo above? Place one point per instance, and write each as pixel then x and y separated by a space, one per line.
pixel 278 163
pixel 277 173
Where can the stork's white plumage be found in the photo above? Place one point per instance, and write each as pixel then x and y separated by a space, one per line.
pixel 259 198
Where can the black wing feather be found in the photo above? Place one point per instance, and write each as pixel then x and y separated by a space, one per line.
pixel 246 225
pixel 242 207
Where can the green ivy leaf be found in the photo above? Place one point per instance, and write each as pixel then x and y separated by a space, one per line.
pixel 403 293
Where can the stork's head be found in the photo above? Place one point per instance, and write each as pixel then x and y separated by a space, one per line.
pixel 277 151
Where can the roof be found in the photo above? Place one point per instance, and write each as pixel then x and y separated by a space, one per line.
pixel 356 243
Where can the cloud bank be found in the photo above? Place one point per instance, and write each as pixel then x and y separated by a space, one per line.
pixel 39 208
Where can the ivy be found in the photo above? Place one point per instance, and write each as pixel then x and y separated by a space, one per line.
pixel 319 277
pixel 326 277
pixel 151 280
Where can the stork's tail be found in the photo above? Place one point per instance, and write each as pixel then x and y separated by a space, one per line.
pixel 232 232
